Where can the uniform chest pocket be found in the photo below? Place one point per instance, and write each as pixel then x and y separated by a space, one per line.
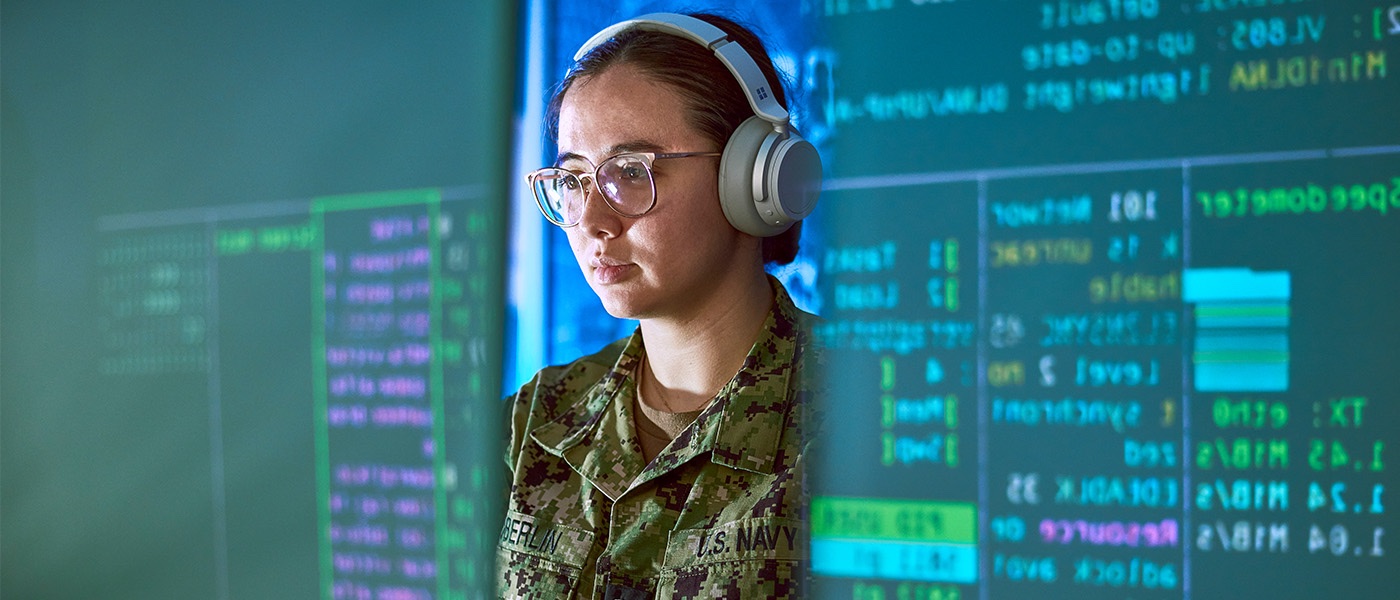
pixel 750 558
pixel 537 558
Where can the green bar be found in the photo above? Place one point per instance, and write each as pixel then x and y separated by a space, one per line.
pixel 319 393
pixel 1239 356
pixel 1265 310
pixel 890 519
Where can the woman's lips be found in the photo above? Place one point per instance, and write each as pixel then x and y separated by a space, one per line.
pixel 607 271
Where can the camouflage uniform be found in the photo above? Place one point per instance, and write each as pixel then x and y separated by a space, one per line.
pixel 720 513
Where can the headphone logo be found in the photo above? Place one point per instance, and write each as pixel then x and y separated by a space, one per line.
pixel 762 93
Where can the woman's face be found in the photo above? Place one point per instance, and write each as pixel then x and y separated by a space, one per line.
pixel 668 262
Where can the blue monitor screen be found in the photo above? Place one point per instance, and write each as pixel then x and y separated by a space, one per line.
pixel 1107 293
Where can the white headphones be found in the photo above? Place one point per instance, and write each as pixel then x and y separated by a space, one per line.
pixel 769 177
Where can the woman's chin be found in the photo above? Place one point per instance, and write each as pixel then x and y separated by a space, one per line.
pixel 620 303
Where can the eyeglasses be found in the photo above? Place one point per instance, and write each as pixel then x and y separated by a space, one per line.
pixel 625 180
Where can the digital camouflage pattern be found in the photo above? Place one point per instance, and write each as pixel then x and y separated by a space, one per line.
pixel 720 513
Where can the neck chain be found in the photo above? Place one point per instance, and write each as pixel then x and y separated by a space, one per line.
pixel 656 387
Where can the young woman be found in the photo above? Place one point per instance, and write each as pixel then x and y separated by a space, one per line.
pixel 669 464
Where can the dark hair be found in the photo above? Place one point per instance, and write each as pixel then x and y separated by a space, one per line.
pixel 715 101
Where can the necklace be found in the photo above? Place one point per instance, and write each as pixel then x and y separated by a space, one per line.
pixel 657 390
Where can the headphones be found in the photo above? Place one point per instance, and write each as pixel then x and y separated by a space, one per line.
pixel 769 177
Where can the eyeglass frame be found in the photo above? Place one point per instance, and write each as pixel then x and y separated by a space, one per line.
pixel 648 159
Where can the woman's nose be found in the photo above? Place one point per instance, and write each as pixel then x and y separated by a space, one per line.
pixel 596 218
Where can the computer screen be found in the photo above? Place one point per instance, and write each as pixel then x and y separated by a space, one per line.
pixel 253 299
pixel 1106 292
pixel 1098 302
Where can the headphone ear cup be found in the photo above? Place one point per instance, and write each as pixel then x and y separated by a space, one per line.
pixel 767 180
pixel 736 178
pixel 793 181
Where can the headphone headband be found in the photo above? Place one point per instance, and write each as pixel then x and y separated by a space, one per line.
pixel 734 57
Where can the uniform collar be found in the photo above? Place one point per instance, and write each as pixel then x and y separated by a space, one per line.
pixel 597 436
pixel 742 429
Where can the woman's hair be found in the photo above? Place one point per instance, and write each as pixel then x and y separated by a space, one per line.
pixel 715 101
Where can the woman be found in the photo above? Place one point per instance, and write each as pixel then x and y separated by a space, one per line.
pixel 669 464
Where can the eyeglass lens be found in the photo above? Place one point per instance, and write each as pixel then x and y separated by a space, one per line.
pixel 625 181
